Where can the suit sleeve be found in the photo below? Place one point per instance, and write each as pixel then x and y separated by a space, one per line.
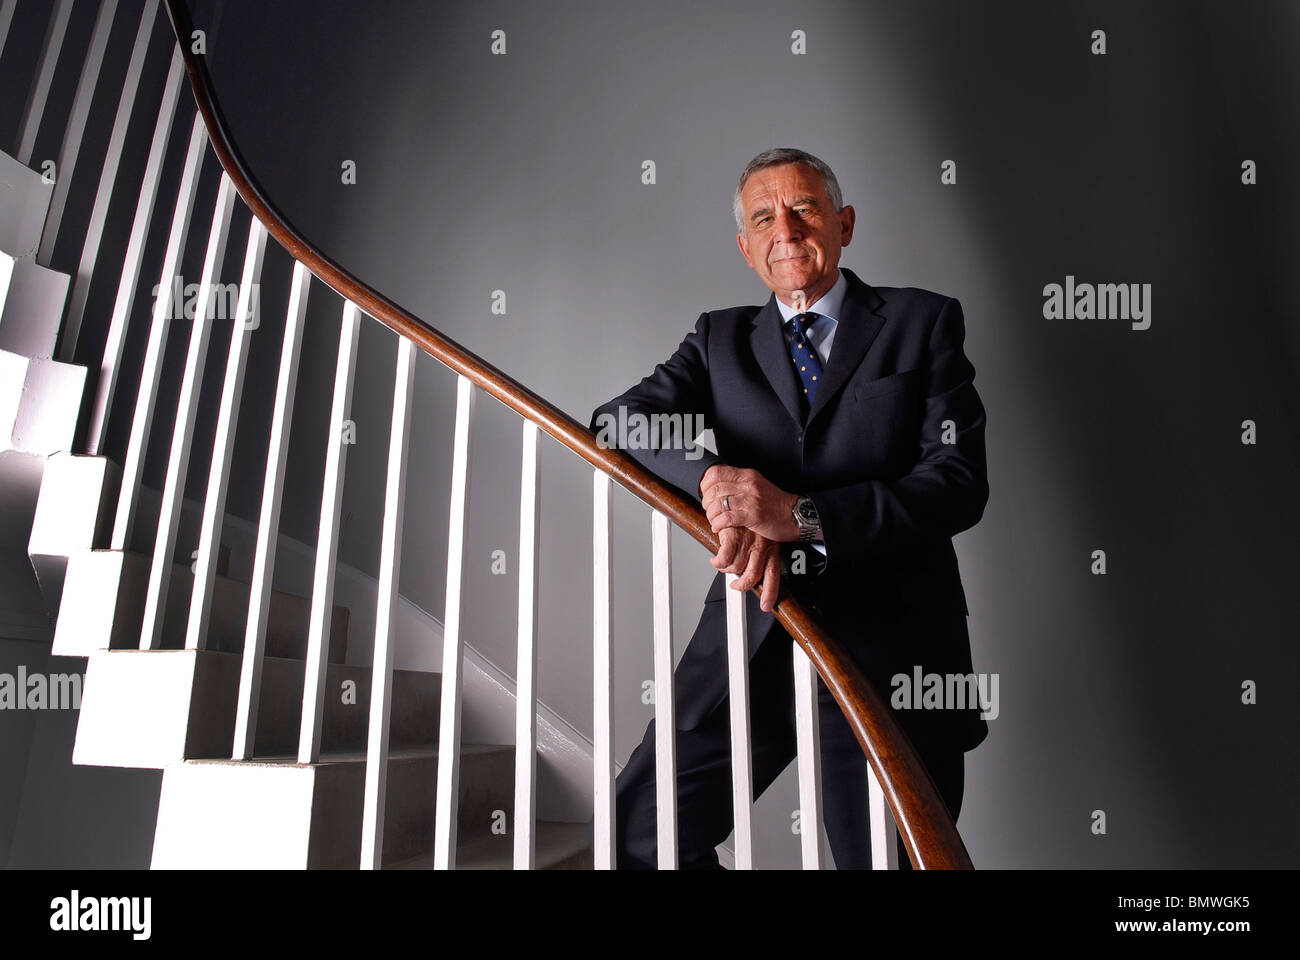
pixel 678 386
pixel 946 491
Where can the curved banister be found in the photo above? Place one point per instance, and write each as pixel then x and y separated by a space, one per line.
pixel 928 832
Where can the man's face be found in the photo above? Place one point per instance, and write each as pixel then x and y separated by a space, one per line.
pixel 793 235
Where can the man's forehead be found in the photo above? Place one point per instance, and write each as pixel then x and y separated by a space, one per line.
pixel 794 180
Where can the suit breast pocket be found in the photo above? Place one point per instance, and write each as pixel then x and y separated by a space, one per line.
pixel 904 382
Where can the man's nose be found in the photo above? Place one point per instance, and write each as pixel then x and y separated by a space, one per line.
pixel 788 226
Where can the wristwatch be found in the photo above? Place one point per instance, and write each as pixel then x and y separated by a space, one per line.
pixel 805 514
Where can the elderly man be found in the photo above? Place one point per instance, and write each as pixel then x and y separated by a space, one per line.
pixel 850 450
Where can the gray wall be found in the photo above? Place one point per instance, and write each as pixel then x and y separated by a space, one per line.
pixel 522 173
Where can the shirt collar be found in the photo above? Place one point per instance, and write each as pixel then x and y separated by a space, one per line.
pixel 828 306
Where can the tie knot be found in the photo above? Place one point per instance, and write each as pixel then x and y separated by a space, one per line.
pixel 800 323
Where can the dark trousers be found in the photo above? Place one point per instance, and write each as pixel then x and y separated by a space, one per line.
pixel 704 799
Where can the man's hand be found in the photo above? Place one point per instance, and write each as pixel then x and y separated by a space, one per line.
pixel 752 558
pixel 751 501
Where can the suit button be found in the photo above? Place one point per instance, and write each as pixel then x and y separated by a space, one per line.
pixel 799 437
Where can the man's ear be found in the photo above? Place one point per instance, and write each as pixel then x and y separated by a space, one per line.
pixel 743 242
pixel 848 217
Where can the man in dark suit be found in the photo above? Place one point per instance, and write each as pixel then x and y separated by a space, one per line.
pixel 850 450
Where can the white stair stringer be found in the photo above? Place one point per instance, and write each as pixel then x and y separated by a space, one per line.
pixel 148 709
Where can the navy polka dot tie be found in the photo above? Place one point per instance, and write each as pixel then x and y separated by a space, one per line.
pixel 802 353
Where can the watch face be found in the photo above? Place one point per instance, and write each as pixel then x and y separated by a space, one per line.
pixel 807 512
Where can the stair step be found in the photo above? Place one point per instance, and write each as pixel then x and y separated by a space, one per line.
pixel 32 298
pixel 74 512
pixel 560 846
pixel 274 812
pixel 24 204
pixel 40 400
pixel 105 592
pixel 151 708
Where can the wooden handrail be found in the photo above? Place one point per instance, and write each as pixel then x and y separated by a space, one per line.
pixel 928 832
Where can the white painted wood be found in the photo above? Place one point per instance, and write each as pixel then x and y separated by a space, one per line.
pixel 223 444
pixel 742 758
pixel 107 181
pixel 75 131
pixel 327 541
pixel 40 92
pixel 7 8
pixel 525 813
pixel 187 408
pixel 446 806
pixel 808 751
pixel 130 277
pixel 665 712
pixel 390 569
pixel 142 420
pixel 884 842
pixel 268 524
pixel 602 672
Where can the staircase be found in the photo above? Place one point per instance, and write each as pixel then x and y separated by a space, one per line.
pixel 285 743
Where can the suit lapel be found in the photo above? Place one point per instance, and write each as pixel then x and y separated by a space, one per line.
pixel 857 328
pixel 768 344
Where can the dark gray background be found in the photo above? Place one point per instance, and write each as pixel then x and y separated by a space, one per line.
pixel 521 172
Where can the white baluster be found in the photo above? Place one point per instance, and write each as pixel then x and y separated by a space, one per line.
pixel 884 842
pixel 665 714
pixel 448 801
pixel 245 321
pixel 602 672
pixel 76 129
pixel 327 542
pixel 7 8
pixel 133 467
pixel 808 748
pixel 107 181
pixel 40 92
pixel 526 681
pixel 130 278
pixel 742 763
pixel 268 524
pixel 390 564
pixel 187 408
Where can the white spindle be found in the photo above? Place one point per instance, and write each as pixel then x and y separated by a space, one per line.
pixel 107 181
pixel 602 672
pixel 268 524
pixel 742 761
pixel 40 92
pixel 526 680
pixel 327 542
pixel 808 747
pixel 245 322
pixel 665 714
pixel 133 467
pixel 7 8
pixel 447 802
pixel 130 278
pixel 187 408
pixel 390 564
pixel 76 129
pixel 884 843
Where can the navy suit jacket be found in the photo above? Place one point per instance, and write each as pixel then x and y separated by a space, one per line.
pixel 891 453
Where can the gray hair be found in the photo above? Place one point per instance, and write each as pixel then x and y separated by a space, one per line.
pixel 779 157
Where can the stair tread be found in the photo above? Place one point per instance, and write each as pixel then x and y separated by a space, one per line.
pixel 558 842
